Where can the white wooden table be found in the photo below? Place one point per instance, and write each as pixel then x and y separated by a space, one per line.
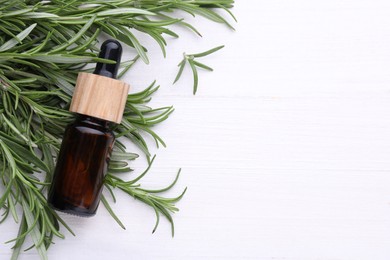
pixel 285 148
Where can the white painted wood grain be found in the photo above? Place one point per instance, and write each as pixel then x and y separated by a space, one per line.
pixel 285 149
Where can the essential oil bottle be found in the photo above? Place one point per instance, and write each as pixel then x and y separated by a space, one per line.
pixel 99 100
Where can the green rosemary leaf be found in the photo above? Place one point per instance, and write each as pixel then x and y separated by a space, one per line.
pixel 40 15
pixel 19 242
pixel 195 74
pixel 10 159
pixel 65 58
pixel 47 158
pixel 228 11
pixel 6 192
pixel 126 34
pixel 166 188
pixel 112 213
pixel 205 53
pixel 201 65
pixel 5 214
pixel 160 41
pixel 110 191
pixel 35 232
pixel 124 11
pixel 11 205
pixel 39 47
pixel 18 39
pixel 144 173
pixel 117 156
pixel 191 27
pixel 23 62
pixel 16 13
pixel 157 217
pixel 118 167
pixel 87 44
pixel 156 138
pixel 181 65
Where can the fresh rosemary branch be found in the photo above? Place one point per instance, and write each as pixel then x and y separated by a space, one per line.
pixel 161 205
pixel 20 164
pixel 190 59
pixel 43 46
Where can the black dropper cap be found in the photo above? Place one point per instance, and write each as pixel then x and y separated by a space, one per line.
pixel 111 50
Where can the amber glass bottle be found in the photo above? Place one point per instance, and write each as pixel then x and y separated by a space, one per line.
pixel 98 100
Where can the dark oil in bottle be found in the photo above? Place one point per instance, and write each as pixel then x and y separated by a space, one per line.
pixel 81 166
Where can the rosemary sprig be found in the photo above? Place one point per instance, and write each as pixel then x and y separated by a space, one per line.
pixel 161 205
pixel 194 64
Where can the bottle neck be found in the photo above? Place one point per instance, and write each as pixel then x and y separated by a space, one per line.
pixel 93 121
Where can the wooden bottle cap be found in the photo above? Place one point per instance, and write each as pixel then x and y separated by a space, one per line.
pixel 100 97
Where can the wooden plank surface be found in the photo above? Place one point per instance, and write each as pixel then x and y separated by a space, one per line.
pixel 285 148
